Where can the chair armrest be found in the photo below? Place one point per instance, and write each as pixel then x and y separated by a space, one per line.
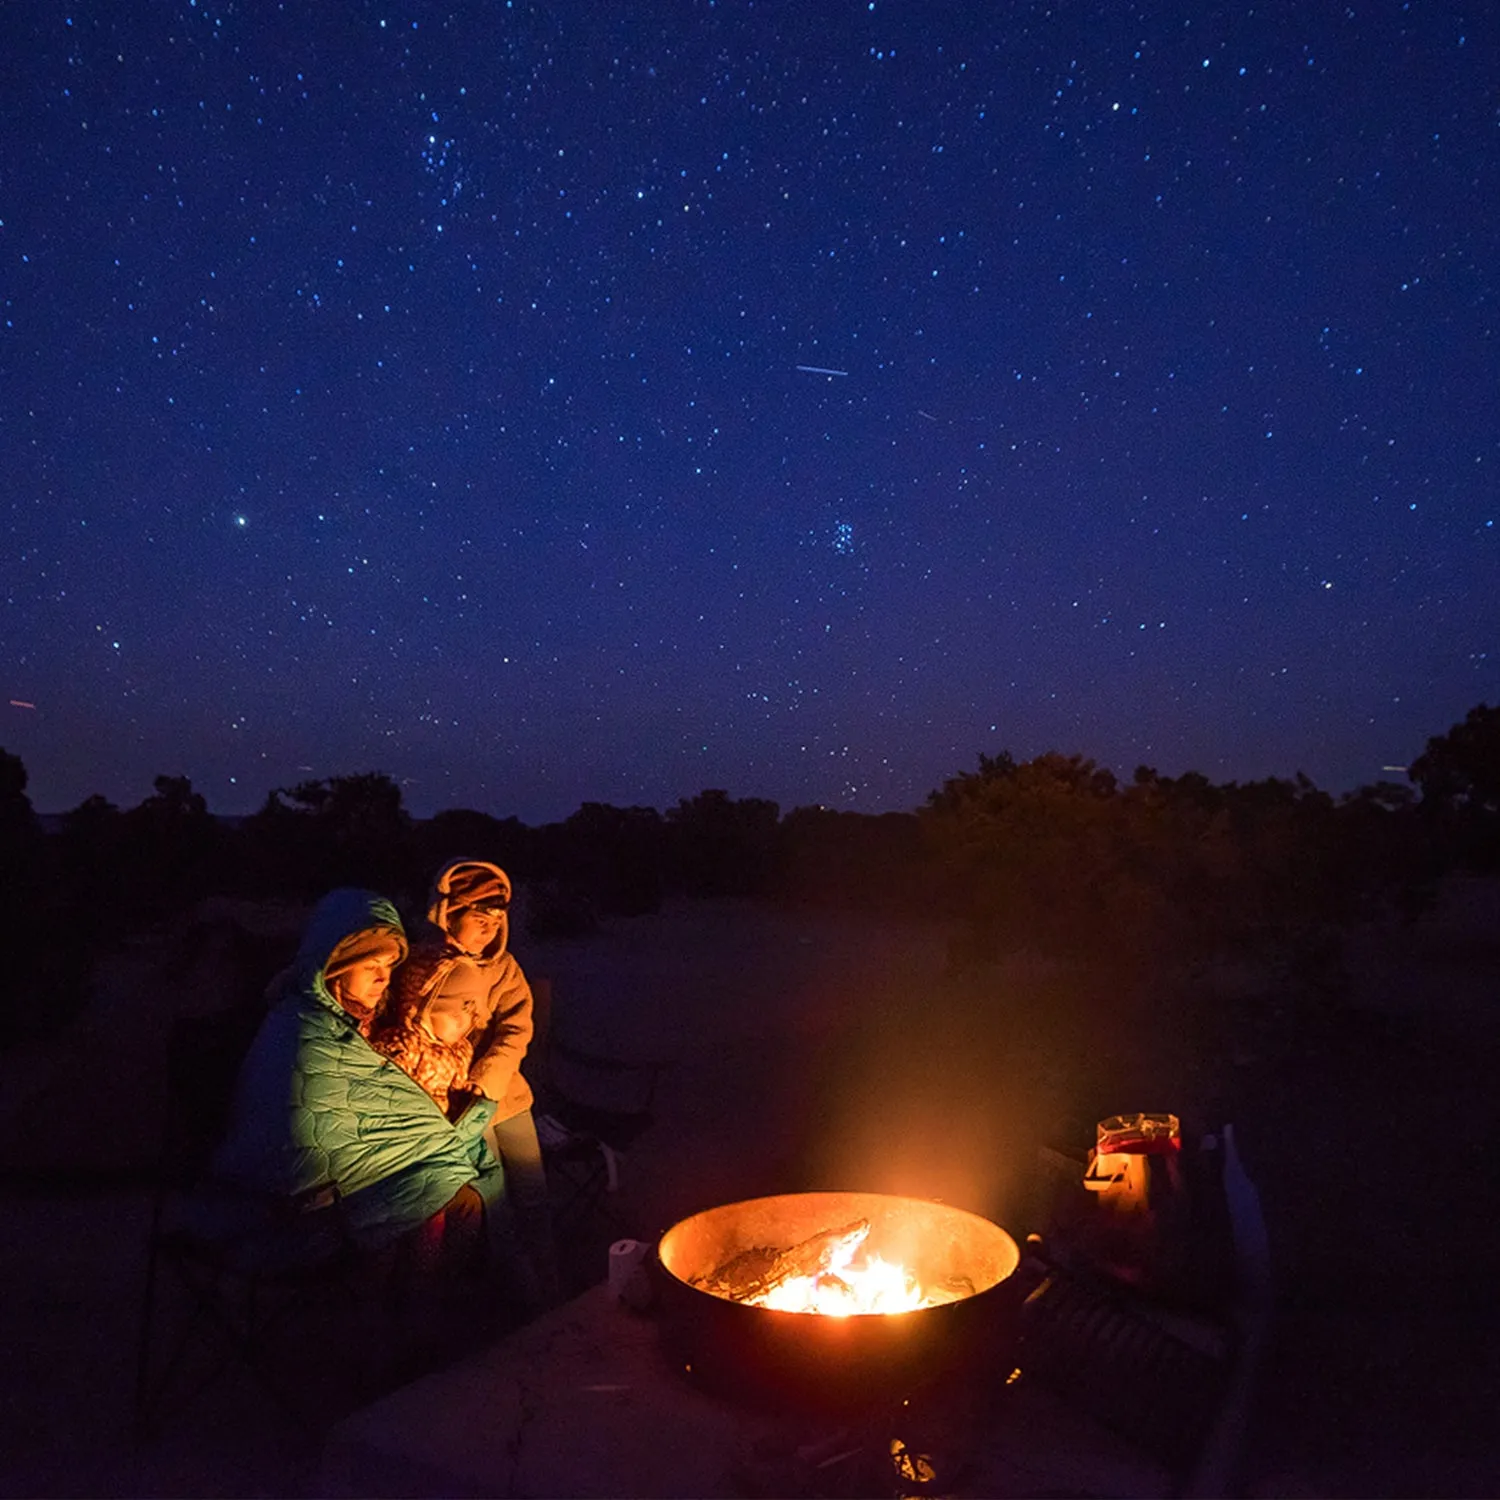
pixel 311 1200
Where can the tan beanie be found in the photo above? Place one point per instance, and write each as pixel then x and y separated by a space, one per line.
pixel 371 942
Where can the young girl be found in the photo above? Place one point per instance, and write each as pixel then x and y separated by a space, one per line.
pixel 434 1046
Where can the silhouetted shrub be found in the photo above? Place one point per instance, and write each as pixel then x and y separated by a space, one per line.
pixel 461 833
pixel 172 851
pixel 1459 774
pixel 854 860
pixel 615 856
pixel 722 847
pixel 40 980
pixel 556 909
pixel 347 830
pixel 1054 855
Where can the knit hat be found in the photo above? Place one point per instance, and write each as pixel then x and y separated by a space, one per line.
pixel 476 885
pixel 370 942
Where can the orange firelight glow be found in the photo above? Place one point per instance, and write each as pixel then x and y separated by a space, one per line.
pixel 845 1290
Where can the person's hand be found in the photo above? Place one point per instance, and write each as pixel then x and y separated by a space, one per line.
pixel 462 1098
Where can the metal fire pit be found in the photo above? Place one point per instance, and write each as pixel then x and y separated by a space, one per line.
pixel 810 1360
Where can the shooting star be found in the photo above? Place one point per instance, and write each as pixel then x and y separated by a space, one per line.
pixel 21 703
pixel 819 370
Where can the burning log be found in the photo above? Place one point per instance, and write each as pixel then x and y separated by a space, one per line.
pixel 819 1274
pixel 754 1275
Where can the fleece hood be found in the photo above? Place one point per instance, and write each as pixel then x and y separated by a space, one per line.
pixel 464 882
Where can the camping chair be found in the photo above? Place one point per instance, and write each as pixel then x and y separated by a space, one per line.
pixel 591 1109
pixel 1175 1378
pixel 208 1305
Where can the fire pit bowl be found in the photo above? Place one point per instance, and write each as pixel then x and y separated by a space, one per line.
pixel 808 1359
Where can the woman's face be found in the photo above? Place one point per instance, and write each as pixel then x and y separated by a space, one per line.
pixel 365 981
pixel 474 928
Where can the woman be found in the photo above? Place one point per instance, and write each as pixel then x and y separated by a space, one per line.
pixel 329 1137
pixel 462 982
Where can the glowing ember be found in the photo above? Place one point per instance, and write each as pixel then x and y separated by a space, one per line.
pixel 831 1273
pixel 844 1290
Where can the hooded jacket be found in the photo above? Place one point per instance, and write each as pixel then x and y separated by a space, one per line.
pixel 317 1108
pixel 489 988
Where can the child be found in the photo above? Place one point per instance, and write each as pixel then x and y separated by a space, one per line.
pixel 462 980
pixel 433 1045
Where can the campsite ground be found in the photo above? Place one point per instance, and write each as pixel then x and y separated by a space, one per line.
pixel 830 1050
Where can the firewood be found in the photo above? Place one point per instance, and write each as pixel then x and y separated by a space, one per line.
pixel 755 1273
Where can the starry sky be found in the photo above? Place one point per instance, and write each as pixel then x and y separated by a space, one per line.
pixel 549 403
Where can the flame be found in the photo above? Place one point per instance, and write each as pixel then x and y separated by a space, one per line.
pixel 845 1290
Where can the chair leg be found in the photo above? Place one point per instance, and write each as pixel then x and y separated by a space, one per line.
pixel 224 1320
pixel 591 1188
pixel 584 1181
pixel 144 1340
pixel 155 1383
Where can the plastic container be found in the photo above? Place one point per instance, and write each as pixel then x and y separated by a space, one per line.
pixel 1139 1135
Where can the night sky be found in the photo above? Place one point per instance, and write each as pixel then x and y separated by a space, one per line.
pixel 601 402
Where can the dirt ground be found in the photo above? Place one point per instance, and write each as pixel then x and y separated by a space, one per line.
pixel 833 1051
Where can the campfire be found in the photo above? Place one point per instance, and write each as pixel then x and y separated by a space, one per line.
pixel 829 1273
pixel 831 1297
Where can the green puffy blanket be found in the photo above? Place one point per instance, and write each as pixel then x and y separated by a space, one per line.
pixel 317 1108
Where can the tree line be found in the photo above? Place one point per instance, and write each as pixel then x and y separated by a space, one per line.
pixel 1054 854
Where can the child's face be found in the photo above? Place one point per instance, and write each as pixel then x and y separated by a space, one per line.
pixel 448 1026
pixel 475 927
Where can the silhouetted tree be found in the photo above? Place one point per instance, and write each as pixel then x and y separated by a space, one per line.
pixel 1258 868
pixel 458 831
pixel 1034 854
pixel 173 849
pixel 616 856
pixel 345 830
pixel 723 847
pixel 1459 774
pixel 1390 843
pixel 22 843
pixel 30 967
pixel 1462 767
pixel 1055 855
pixel 830 857
pixel 92 866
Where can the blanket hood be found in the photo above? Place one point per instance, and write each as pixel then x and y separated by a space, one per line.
pixel 339 915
